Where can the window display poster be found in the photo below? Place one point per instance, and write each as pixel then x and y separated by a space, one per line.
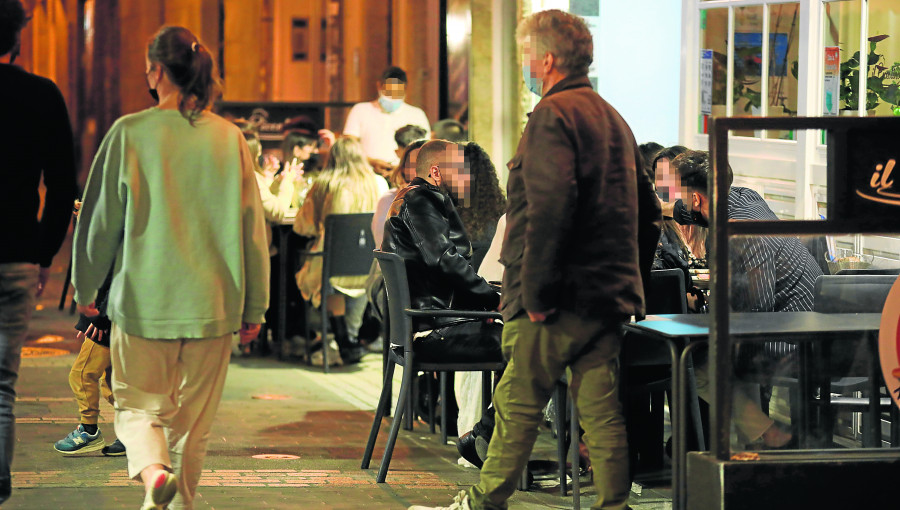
pixel 831 105
pixel 706 81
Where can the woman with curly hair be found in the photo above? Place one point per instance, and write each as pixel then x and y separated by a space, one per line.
pixel 486 204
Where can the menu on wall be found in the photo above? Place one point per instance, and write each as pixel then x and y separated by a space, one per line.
pixel 831 105
pixel 706 81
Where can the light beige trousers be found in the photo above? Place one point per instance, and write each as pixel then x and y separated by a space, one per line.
pixel 167 393
pixel 746 409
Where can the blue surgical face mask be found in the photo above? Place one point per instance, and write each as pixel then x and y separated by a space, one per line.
pixel 389 105
pixel 534 85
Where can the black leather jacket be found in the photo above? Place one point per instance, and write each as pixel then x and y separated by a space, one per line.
pixel 424 228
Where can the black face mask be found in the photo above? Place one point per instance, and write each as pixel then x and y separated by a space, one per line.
pixel 154 94
pixel 698 219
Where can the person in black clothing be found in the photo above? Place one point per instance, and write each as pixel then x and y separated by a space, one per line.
pixel 424 228
pixel 35 111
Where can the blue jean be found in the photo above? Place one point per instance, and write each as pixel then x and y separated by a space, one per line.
pixel 18 283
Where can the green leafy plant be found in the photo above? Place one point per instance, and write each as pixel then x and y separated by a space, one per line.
pixel 882 82
pixel 751 60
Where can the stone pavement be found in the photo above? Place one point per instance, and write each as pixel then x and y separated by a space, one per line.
pixel 286 436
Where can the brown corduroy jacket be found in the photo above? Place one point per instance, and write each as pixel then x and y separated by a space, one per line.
pixel 579 206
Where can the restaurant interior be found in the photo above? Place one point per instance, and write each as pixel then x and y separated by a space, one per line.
pixel 790 70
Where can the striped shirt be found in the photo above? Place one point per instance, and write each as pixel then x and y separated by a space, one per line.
pixel 768 274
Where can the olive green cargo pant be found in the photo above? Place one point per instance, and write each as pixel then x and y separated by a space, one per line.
pixel 538 354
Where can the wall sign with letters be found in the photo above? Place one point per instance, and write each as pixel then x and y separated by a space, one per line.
pixel 864 174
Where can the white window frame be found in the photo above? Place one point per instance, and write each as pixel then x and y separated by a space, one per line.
pixel 775 168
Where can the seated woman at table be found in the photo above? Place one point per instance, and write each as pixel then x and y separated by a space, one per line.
pixel 675 251
pixel 275 192
pixel 302 154
pixel 346 185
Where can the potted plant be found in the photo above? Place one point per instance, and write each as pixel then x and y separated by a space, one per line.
pixel 882 82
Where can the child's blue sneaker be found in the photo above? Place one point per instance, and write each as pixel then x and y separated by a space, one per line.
pixel 79 441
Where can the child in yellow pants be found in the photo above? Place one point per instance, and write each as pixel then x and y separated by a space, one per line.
pixel 91 377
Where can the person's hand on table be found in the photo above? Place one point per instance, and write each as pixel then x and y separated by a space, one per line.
pixel 248 332
pixel 89 310
pixel 541 317
pixel 92 332
pixel 43 276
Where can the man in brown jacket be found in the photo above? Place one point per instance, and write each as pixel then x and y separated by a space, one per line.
pixel 573 273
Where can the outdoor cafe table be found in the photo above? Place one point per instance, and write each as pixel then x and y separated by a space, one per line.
pixel 679 330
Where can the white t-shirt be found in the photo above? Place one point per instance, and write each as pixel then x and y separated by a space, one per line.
pixel 380 216
pixel 376 129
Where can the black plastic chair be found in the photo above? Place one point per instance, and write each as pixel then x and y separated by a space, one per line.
pixel 856 293
pixel 646 374
pixel 886 271
pixel 400 333
pixel 346 251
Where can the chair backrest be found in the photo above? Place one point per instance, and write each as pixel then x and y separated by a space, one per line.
pixel 892 270
pixel 348 245
pixel 393 267
pixel 667 292
pixel 852 293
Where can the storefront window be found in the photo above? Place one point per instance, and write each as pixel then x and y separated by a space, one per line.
pixel 784 44
pixel 884 58
pixel 713 65
pixel 748 72
pixel 841 33
pixel 755 90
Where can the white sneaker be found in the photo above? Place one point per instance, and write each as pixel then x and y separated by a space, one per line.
pixel 334 356
pixel 165 486
pixel 460 502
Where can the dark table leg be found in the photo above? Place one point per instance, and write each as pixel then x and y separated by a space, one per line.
pixel 687 419
pixel 280 337
pixel 872 432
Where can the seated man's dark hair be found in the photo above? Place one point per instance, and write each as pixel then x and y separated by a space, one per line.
pixel 669 153
pixel 393 72
pixel 432 153
pixel 12 21
pixel 693 167
pixel 648 150
pixel 409 134
pixel 296 138
pixel 450 130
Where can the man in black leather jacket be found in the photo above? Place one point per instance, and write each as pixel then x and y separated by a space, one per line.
pixel 424 228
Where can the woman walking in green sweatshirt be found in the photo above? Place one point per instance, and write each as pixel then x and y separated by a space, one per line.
pixel 172 199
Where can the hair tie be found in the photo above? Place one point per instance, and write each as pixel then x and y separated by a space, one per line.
pixel 194 46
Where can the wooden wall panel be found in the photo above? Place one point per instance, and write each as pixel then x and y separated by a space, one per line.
pixel 365 47
pixel 139 20
pixel 248 24
pixel 296 79
pixel 415 43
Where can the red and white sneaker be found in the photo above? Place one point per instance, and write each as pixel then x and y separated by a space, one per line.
pixel 165 486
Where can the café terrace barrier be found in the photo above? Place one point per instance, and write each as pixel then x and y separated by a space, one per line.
pixel 863 198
